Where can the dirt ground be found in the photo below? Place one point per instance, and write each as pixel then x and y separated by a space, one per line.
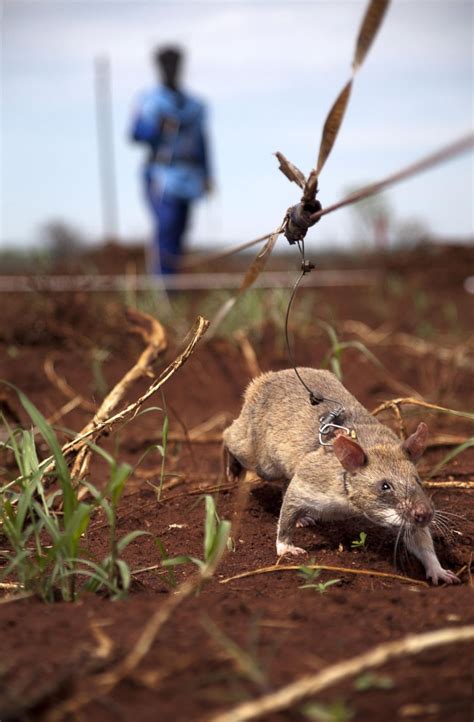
pixel 53 652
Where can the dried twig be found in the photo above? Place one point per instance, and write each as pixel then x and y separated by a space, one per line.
pixel 409 401
pixel 294 693
pixel 413 344
pixel 65 409
pixel 446 440
pixel 154 336
pixel 324 567
pixel 9 585
pixel 248 352
pixel 81 440
pixel 465 485
pixel 63 386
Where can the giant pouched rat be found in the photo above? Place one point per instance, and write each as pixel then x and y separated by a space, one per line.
pixel 363 470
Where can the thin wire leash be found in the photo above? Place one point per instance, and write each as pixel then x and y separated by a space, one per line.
pixel 327 421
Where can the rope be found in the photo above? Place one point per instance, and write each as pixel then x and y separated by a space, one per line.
pixel 453 149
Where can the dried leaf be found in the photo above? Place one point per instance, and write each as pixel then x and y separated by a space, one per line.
pixel 259 263
pixel 291 171
pixel 372 20
pixel 332 125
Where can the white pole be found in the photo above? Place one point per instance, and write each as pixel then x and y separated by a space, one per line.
pixel 105 147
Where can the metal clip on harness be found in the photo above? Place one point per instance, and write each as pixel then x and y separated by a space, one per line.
pixel 325 429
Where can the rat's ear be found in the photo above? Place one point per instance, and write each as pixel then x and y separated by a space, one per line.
pixel 415 445
pixel 350 453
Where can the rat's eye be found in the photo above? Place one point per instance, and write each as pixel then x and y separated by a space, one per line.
pixel 385 485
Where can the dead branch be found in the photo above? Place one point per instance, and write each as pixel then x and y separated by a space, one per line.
pixel 154 336
pixel 248 352
pixel 294 693
pixel 132 409
pixel 202 433
pixel 10 585
pixel 446 440
pixel 409 401
pixel 418 347
pixel 466 485
pixel 341 570
pixel 63 386
pixel 65 409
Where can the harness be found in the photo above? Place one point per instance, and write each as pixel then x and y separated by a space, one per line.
pixel 328 425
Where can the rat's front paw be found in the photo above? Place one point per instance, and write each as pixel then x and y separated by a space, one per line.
pixel 284 548
pixel 442 575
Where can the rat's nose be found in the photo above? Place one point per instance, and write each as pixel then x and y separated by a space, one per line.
pixel 422 514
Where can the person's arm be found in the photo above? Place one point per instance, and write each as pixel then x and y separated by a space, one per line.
pixel 204 153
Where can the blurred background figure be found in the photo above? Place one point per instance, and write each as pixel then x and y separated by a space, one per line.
pixel 171 124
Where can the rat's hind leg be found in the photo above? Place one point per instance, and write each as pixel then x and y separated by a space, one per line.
pixel 233 469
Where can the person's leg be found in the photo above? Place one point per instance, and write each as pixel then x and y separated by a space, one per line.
pixel 171 218
pixel 153 195
pixel 173 215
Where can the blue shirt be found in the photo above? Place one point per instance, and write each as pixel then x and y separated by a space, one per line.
pixel 172 124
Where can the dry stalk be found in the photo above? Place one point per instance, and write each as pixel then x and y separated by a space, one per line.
pixel 65 409
pixel 204 432
pixel 9 585
pixel 248 352
pixel 154 336
pixel 294 693
pixel 447 440
pixel 83 437
pixel 402 430
pixel 409 401
pixel 63 386
pixel 412 344
pixel 465 485
pixel 323 567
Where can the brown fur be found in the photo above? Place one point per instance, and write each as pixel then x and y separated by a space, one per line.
pixel 276 435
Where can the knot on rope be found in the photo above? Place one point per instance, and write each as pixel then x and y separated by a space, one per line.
pixel 299 220
pixel 307 266
pixel 315 399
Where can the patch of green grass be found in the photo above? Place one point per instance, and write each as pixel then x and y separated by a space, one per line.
pixel 370 680
pixel 334 712
pixel 246 661
pixel 333 358
pixel 216 536
pixel 360 543
pixel 45 551
pixel 310 575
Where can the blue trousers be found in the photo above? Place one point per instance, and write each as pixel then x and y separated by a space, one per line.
pixel 170 217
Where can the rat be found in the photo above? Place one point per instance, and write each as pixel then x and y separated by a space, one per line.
pixel 356 466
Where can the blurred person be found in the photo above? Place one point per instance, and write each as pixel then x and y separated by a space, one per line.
pixel 172 124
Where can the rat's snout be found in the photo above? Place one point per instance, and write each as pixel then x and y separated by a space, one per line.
pixel 422 513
